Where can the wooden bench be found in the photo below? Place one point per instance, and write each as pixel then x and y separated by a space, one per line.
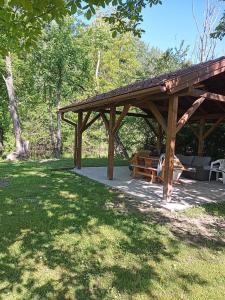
pixel 145 166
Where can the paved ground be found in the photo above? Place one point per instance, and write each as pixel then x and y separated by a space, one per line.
pixel 186 194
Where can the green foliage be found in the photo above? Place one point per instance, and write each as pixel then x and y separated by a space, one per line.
pixel 22 21
pixel 68 53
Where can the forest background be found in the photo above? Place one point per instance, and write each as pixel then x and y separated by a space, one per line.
pixel 73 60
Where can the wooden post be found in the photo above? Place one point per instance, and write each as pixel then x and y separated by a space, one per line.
pixel 170 147
pixel 79 139
pixel 111 143
pixel 201 138
pixel 75 146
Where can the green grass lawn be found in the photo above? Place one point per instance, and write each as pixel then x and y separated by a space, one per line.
pixel 63 236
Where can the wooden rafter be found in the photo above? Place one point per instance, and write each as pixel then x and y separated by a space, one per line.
pixel 177 84
pixel 129 114
pixel 213 127
pixel 186 116
pixel 117 138
pixel 91 122
pixel 200 107
pixel 84 123
pixel 207 95
pixel 67 120
pixel 157 114
pixel 121 117
pixel 105 120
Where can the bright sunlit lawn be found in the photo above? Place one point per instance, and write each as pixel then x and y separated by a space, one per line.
pixel 63 236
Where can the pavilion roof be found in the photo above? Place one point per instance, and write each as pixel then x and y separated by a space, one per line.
pixel 167 83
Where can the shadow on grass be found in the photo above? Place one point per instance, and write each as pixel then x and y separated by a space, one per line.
pixel 60 239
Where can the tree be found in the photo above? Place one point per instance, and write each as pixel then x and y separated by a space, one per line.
pixel 220 28
pixel 62 67
pixel 21 144
pixel 206 44
pixel 21 22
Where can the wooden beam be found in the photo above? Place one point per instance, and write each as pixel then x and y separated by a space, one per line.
pixel 105 120
pixel 191 78
pixel 170 147
pixel 186 116
pixel 91 122
pixel 84 123
pixel 67 120
pixel 121 117
pixel 117 138
pixel 111 143
pixel 157 114
pixel 190 100
pixel 112 99
pixel 129 114
pixel 79 139
pixel 213 127
pixel 207 95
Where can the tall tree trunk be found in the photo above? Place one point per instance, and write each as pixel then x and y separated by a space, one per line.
pixel 21 145
pixel 51 126
pixel 97 70
pixel 58 123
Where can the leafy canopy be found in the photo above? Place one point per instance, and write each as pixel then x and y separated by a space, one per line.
pixel 21 21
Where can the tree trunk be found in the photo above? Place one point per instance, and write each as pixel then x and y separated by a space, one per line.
pixel 58 123
pixel 97 70
pixel 21 145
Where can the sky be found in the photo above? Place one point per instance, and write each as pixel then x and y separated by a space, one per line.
pixel 168 24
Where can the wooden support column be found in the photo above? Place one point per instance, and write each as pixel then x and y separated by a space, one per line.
pixel 111 134
pixel 75 147
pixel 201 138
pixel 79 139
pixel 170 147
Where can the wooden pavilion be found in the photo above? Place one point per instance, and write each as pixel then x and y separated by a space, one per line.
pixel 195 94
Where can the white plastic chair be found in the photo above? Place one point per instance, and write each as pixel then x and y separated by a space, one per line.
pixel 218 166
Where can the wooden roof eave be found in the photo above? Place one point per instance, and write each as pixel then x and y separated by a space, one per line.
pixel 116 100
pixel 188 80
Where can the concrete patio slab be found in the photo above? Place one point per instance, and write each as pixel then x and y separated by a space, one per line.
pixel 186 194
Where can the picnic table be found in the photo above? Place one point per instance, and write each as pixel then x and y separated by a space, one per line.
pixel 146 166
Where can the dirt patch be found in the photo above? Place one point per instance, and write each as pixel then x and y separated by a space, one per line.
pixel 201 230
